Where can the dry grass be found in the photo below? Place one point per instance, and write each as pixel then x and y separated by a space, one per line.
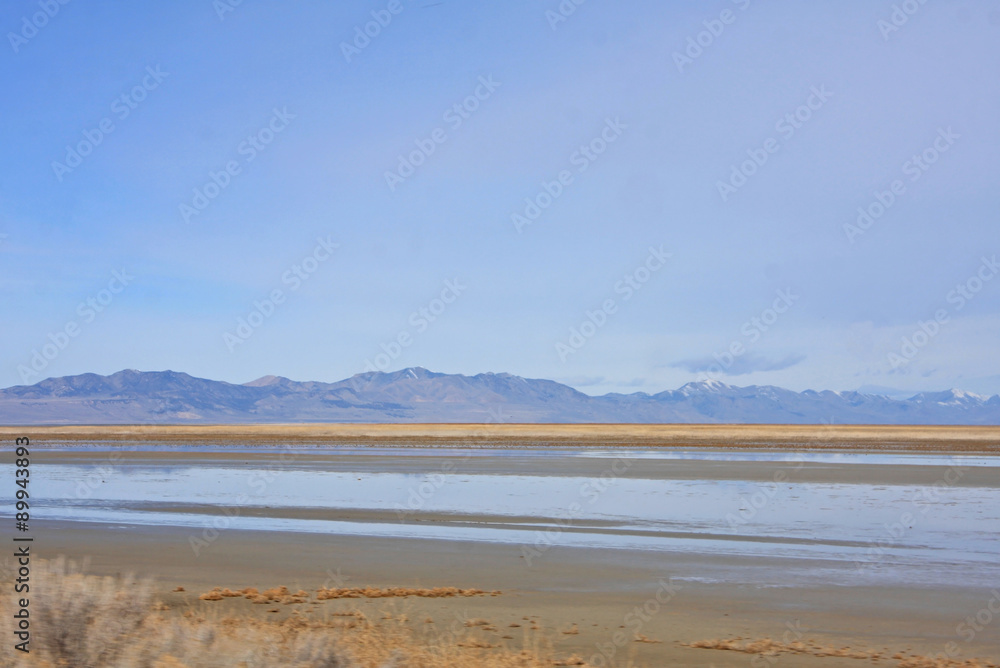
pixel 81 621
pixel 915 438
pixel 286 597
pixel 768 647
pixel 84 618
pixel 274 595
pixel 399 592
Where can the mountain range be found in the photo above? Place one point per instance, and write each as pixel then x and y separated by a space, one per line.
pixel 418 395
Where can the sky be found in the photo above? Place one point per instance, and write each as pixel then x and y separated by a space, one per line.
pixel 621 196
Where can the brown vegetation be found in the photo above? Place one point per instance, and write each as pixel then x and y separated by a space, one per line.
pixel 323 594
pixel 914 438
pixel 81 621
pixel 768 647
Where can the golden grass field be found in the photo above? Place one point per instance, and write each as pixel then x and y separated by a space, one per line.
pixel 984 439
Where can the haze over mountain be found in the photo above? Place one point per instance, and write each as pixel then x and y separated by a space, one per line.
pixel 418 395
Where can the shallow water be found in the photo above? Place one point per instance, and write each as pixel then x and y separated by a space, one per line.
pixel 912 533
pixel 556 452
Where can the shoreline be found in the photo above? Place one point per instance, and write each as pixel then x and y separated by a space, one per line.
pixel 579 598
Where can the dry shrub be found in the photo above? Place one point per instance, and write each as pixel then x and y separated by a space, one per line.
pixel 324 594
pixel 82 621
pixel 275 595
pixel 768 647
pixel 397 645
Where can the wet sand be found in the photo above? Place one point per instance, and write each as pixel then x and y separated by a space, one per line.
pixel 601 592
pixel 470 463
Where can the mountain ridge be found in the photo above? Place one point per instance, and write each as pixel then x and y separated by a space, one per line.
pixel 415 394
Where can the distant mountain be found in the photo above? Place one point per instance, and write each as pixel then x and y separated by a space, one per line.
pixel 419 395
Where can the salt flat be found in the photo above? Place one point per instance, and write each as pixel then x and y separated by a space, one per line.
pixel 881 550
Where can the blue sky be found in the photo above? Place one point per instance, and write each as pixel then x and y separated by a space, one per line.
pixel 770 278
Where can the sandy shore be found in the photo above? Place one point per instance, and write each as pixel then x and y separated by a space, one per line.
pixel 770 437
pixel 596 593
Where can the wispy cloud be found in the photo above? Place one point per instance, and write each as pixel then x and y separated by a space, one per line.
pixel 741 366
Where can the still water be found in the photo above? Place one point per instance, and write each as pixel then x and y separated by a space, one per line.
pixel 915 533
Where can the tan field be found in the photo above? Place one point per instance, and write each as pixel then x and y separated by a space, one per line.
pixel 275 596
pixel 977 439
